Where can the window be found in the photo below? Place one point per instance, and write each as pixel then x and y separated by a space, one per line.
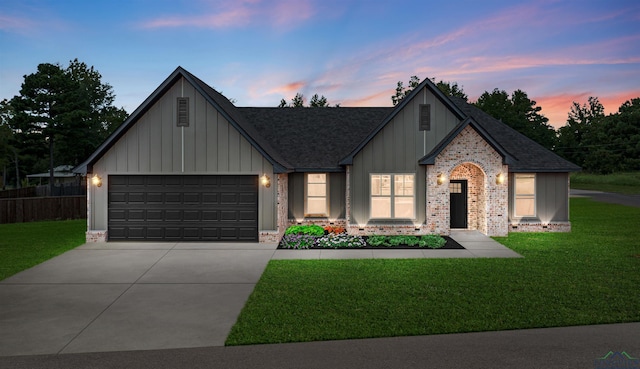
pixel 525 191
pixel 316 199
pixel 392 196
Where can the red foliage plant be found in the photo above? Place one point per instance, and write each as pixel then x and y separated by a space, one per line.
pixel 334 229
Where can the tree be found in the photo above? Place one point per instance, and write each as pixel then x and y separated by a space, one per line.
pixel 402 92
pixel 318 102
pixel 298 102
pixel 63 114
pixel 6 140
pixel 451 89
pixel 448 88
pixel 520 113
pixel 603 144
pixel 573 138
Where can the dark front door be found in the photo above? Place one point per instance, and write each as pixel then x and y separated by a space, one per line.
pixel 183 208
pixel 458 203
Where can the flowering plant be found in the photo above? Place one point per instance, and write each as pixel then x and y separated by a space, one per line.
pixel 297 241
pixel 336 241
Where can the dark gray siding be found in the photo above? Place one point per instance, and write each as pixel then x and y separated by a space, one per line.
pixel 154 145
pixel 337 184
pixel 397 149
pixel 552 197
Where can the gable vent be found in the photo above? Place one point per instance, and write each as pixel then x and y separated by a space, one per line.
pixel 425 117
pixel 183 112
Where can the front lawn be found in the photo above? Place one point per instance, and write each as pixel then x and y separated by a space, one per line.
pixel 625 183
pixel 589 276
pixel 23 245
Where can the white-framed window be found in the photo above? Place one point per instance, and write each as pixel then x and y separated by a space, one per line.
pixel 316 195
pixel 525 195
pixel 392 196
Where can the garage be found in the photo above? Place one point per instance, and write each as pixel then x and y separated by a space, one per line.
pixel 183 208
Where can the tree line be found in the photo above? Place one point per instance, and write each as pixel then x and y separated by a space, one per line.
pixel 62 114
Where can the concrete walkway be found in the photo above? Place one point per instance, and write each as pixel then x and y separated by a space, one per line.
pixel 147 296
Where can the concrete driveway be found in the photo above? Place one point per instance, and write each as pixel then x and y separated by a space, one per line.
pixel 129 296
pixel 148 296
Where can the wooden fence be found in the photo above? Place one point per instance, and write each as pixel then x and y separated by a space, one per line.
pixel 20 192
pixel 31 209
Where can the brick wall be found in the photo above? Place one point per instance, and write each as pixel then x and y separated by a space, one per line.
pixel 469 157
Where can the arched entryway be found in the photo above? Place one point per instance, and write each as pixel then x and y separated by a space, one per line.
pixel 470 179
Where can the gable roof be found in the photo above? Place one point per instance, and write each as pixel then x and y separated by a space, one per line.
pixel 315 139
pixel 326 139
pixel 528 155
pixel 430 158
pixel 348 160
pixel 221 103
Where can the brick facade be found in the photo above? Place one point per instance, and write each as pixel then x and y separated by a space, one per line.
pixel 96 236
pixel 540 227
pixel 469 157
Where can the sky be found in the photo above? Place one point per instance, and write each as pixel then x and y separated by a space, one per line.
pixel 258 52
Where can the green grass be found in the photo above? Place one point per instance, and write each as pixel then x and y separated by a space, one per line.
pixel 626 183
pixel 589 276
pixel 23 245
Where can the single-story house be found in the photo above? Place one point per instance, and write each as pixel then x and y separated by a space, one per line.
pixel 189 165
pixel 62 174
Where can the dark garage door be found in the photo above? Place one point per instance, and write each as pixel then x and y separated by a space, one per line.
pixel 185 208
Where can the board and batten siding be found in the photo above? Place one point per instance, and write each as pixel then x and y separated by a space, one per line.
pixel 337 184
pixel 154 145
pixel 552 197
pixel 397 149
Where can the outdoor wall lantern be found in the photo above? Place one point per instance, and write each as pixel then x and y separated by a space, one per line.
pixel 441 178
pixel 265 181
pixel 96 180
pixel 500 178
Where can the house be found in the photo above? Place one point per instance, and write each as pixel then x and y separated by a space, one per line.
pixel 62 174
pixel 189 165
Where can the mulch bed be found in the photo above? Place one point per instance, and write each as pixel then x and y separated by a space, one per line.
pixel 450 245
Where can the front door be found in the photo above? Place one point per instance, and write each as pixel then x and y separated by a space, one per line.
pixel 458 203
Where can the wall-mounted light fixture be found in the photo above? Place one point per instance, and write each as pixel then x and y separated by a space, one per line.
pixel 265 181
pixel 500 178
pixel 441 178
pixel 96 180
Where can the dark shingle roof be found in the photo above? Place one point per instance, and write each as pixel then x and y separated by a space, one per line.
pixel 528 155
pixel 315 138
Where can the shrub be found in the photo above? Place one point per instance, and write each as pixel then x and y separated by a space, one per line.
pixel 297 241
pixel 432 241
pixel 334 229
pixel 377 240
pixel 311 229
pixel 336 241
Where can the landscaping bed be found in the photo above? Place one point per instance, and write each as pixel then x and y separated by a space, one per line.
pixel 303 237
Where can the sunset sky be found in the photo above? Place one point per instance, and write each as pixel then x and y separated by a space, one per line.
pixel 353 52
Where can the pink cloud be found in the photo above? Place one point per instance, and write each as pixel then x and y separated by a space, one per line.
pixel 279 14
pixel 557 107
pixel 288 89
pixel 382 98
